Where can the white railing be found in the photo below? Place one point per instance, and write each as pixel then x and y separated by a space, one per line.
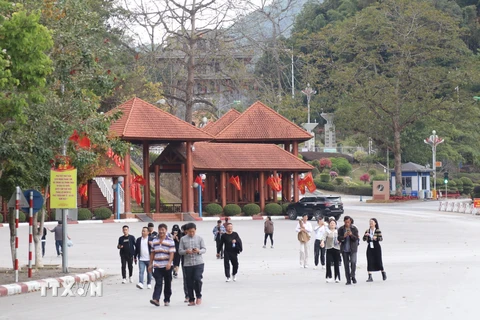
pixel 106 186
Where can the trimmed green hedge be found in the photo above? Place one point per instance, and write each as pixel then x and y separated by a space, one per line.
pixel 284 207
pixel 338 181
pixel 273 209
pixel 325 177
pixel 213 209
pixel 84 214
pixel 102 213
pixel 324 185
pixel 341 165
pixel 365 190
pixel 467 185
pixel 251 209
pixel 22 217
pixel 1 217
pixel 232 209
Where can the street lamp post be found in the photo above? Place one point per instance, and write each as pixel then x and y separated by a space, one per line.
pixel 309 92
pixel 434 141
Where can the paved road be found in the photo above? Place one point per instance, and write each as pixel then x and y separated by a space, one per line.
pixel 432 259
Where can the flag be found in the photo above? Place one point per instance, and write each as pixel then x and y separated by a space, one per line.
pixel 138 193
pixel 83 191
pixel 309 183
pixel 84 142
pixel 301 185
pixel 275 183
pixel 236 182
pixel 74 137
pixel 139 179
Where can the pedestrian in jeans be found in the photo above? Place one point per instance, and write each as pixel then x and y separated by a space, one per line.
pixel 142 253
pixel 318 251
pixel 218 230
pixel 58 237
pixel 330 242
pixel 232 245
pixel 268 229
pixel 192 247
pixel 304 231
pixel 182 259
pixel 348 238
pixel 126 244
pixel 161 261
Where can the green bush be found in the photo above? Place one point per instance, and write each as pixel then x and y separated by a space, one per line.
pixel 315 172
pixel 342 166
pixel 364 190
pixel 324 185
pixel 84 214
pixel 325 177
pixel 273 209
pixel 1 217
pixel 22 217
pixel 316 164
pixel 338 181
pixel 467 185
pixel 476 192
pixel 284 207
pixel 213 209
pixel 102 213
pixel 372 172
pixel 251 209
pixel 232 209
pixel 459 184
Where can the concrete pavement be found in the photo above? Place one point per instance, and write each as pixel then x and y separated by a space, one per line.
pixel 431 259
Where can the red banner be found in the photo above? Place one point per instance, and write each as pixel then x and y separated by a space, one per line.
pixel 80 142
pixel 236 182
pixel 275 183
pixel 83 191
pixel 199 180
pixel 309 183
pixel 301 185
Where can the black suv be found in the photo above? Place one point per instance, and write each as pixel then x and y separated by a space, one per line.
pixel 318 207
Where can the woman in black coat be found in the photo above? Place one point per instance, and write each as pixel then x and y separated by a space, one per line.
pixel 373 236
pixel 176 235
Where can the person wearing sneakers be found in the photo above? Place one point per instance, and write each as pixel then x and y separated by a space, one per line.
pixel 318 251
pixel 161 265
pixel 142 253
pixel 331 244
pixel 268 229
pixel 232 245
pixel 218 230
pixel 348 238
pixel 304 232
pixel 373 236
pixel 192 247
pixel 126 245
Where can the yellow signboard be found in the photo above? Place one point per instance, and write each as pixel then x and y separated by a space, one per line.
pixel 63 189
pixel 476 202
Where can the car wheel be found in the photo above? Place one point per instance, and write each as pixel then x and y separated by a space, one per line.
pixel 292 214
pixel 318 215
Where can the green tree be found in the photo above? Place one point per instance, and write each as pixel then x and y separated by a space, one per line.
pixel 395 64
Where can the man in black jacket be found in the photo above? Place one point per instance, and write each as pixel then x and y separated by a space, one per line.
pixel 142 254
pixel 126 244
pixel 232 245
pixel 348 238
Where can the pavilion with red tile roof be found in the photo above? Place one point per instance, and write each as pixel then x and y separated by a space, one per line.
pixel 144 124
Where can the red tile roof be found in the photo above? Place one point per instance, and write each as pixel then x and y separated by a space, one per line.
pixel 110 169
pixel 143 121
pixel 238 157
pixel 260 123
pixel 215 127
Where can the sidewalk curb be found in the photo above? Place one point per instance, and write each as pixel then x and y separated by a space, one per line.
pixel 31 286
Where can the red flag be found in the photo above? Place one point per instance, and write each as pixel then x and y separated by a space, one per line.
pixel 110 153
pixel 139 179
pixel 74 136
pixel 309 183
pixel 84 142
pixel 83 191
pixel 236 182
pixel 275 183
pixel 138 194
pixel 301 185
pixel 198 180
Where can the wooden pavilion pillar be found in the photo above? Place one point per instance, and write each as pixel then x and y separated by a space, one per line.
pixel 252 187
pixel 146 176
pixel 289 186
pixel 262 190
pixel 287 146
pixel 189 181
pixel 184 187
pixel 228 187
pixel 223 188
pixel 275 175
pixel 157 188
pixel 295 187
pixel 128 194
pixel 295 148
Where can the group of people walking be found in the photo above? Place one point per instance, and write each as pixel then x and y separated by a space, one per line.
pixel 334 243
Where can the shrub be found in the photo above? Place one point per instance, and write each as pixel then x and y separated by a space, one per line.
pixel 251 209
pixel 1 217
pixel 324 185
pixel 324 177
pixel 379 177
pixel 342 165
pixel 333 174
pixel 365 178
pixel 273 209
pixel 372 172
pixel 467 185
pixel 339 181
pixel 476 192
pixel 213 209
pixel 325 163
pixel 358 190
pixel 84 214
pixel 22 217
pixel 316 164
pixel 232 209
pixel 284 207
pixel 315 172
pixel 459 184
pixel 102 213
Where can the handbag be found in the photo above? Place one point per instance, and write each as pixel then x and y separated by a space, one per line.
pixel 303 236
pixel 69 243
